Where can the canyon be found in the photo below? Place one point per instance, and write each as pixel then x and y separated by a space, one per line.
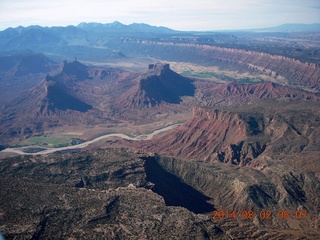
pixel 167 134
pixel 281 69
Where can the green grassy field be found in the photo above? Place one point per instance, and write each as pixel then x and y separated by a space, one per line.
pixel 51 141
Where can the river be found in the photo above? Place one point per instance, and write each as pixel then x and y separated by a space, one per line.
pixel 85 144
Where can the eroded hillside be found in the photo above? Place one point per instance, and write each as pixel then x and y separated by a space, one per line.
pixel 245 165
pixel 239 135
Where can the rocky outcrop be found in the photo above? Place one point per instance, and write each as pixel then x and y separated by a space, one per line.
pixel 158 85
pixel 239 136
pixel 72 71
pixel 118 193
pixel 49 104
pixel 233 188
pixel 47 98
pixel 242 153
pixel 209 135
pixel 101 194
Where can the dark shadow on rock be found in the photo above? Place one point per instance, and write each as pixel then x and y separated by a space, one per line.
pixel 59 99
pixel 173 190
pixel 164 85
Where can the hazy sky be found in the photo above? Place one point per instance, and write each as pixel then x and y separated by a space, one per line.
pixel 176 14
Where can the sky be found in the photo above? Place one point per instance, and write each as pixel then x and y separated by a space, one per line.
pixel 188 15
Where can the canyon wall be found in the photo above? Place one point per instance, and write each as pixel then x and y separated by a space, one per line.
pixel 239 189
pixel 203 136
pixel 240 137
pixel 283 69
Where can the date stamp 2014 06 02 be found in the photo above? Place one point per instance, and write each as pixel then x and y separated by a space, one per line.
pixel 262 214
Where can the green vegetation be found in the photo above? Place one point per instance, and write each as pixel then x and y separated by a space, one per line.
pixel 223 77
pixel 200 75
pixel 55 141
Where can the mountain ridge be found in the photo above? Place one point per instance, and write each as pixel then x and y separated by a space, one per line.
pixel 118 26
pixel 286 27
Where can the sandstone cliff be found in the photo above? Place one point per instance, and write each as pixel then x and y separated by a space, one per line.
pixel 235 93
pixel 158 85
pixel 208 135
pixel 277 187
pixel 239 135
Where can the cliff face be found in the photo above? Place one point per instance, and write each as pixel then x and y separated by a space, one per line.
pixel 262 91
pixel 209 132
pixel 282 69
pixel 47 98
pixel 69 72
pixel 49 104
pixel 240 136
pixel 158 85
pixel 239 189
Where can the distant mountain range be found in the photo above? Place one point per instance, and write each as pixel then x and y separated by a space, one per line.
pixel 117 26
pixel 35 35
pixel 97 42
pixel 81 40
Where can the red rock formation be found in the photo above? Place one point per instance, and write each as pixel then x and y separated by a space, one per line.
pixel 237 93
pixel 158 85
pixel 240 136
pixel 208 132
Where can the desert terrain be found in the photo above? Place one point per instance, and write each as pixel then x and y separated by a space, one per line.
pixel 113 131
